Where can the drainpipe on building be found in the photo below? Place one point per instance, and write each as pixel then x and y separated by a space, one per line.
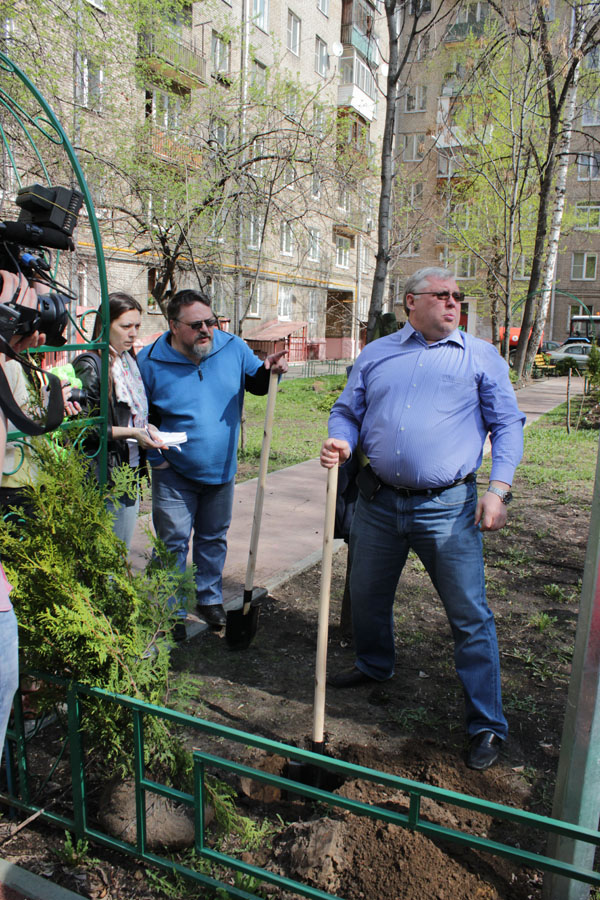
pixel 239 251
pixel 357 289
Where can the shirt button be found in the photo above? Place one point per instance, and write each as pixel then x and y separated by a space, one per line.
pixel 402 429
pixel 414 385
pixel 397 453
pixel 421 365
pixel 408 405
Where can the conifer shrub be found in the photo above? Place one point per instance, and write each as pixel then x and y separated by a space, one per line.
pixel 84 614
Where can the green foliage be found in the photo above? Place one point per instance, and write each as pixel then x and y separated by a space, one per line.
pixel 83 614
pixel 593 367
pixel 301 413
pixel 74 855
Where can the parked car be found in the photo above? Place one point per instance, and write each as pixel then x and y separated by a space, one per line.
pixel 547 346
pixel 578 352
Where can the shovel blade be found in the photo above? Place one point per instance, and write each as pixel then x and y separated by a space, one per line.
pixel 242 623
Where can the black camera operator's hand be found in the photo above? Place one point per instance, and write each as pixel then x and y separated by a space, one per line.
pixel 17 287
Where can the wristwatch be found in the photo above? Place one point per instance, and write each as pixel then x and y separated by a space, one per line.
pixel 505 496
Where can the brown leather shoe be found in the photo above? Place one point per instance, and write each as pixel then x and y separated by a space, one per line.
pixel 484 750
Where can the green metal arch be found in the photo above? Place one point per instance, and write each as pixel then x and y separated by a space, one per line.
pixel 42 124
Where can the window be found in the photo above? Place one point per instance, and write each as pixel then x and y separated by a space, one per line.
pixel 316 185
pixel 313 305
pixel 293 33
pixel 342 251
pixel 321 57
pixel 314 244
pixel 260 14
pixel 423 45
pixel 465 266
pixel 323 6
pixel 291 101
pixel 414 147
pixel 365 257
pixel 218 132
pixel 220 54
pixel 258 75
pixel 363 308
pixel 253 297
pixel 284 307
pixel 416 98
pixel 591 112
pixel 588 215
pixel 286 238
pixel 588 166
pixel 343 199
pixel 447 164
pixel 416 195
pixel 318 121
pixel 412 244
pixel 165 108
pixel 583 266
pixel 89 79
pixel 254 231
pixel 354 70
pixel 418 7
pixel 459 217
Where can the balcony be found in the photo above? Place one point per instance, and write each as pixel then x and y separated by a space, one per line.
pixel 171 56
pixel 358 88
pixel 170 146
pixel 358 30
pixel 459 31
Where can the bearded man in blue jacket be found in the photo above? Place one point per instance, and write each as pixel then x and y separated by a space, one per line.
pixel 195 376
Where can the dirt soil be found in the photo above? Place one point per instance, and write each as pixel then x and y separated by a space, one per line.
pixel 410 726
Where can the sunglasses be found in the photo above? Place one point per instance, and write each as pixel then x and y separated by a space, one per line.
pixel 444 296
pixel 197 326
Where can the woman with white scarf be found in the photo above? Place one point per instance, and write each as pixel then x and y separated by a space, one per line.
pixel 129 433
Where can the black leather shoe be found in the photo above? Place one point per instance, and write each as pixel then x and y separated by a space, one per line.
pixel 350 678
pixel 179 632
pixel 213 615
pixel 483 750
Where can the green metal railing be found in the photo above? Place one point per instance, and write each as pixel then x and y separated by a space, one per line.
pixel 80 824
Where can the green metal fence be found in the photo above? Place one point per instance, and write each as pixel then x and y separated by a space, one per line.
pixel 79 822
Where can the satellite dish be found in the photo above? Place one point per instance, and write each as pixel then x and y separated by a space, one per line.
pixel 337 49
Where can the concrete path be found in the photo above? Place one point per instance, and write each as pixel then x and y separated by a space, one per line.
pixel 291 534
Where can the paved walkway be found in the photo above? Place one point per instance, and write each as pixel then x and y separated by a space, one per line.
pixel 291 533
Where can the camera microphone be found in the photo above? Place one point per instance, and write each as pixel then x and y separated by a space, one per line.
pixel 35 236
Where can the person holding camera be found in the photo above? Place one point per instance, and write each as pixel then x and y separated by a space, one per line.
pixel 129 433
pixel 14 287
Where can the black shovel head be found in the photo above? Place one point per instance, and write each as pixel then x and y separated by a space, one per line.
pixel 242 623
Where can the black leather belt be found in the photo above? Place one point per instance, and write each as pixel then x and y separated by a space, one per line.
pixel 416 492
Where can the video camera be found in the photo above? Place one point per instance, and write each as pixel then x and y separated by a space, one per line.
pixel 46 221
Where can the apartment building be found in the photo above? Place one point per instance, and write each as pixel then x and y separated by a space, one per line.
pixel 232 145
pixel 440 223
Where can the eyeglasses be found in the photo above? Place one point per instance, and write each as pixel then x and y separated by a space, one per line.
pixel 197 326
pixel 444 296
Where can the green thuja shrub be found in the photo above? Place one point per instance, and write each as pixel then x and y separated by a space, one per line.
pixel 83 614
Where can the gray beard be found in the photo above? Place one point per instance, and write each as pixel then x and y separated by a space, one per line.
pixel 201 350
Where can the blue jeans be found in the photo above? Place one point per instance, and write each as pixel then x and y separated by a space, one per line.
pixel 179 506
pixel 440 529
pixel 124 517
pixel 9 668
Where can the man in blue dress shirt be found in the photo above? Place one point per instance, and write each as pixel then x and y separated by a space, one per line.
pixel 421 403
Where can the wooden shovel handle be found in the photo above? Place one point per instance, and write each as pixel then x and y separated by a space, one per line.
pixel 262 480
pixel 323 628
